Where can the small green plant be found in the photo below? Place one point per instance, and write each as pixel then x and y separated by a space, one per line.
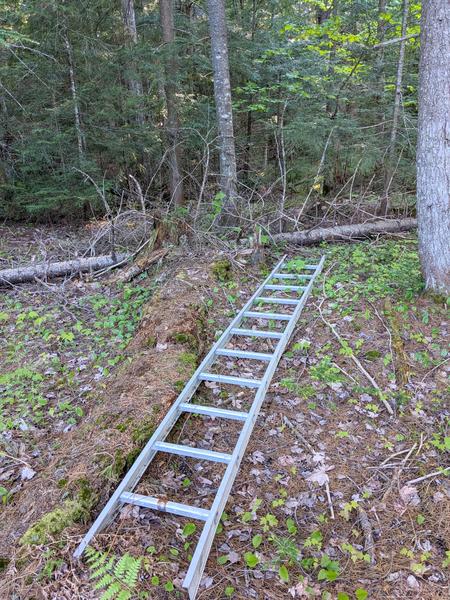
pixel 326 372
pixel 330 569
pixel 355 555
pixel 115 577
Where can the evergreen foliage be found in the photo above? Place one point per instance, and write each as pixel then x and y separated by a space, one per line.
pixel 303 71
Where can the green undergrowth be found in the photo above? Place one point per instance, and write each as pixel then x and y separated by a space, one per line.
pixel 373 270
pixel 36 390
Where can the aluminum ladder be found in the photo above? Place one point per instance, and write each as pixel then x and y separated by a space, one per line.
pixel 124 492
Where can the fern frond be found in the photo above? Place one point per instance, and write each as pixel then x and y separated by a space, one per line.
pixel 102 569
pixel 124 595
pixel 114 589
pixel 104 582
pixel 123 564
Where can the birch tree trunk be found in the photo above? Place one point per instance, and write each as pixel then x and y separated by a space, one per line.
pixel 433 146
pixel 379 62
pixel 222 95
pixel 74 93
pixel 172 121
pixel 134 84
pixel 385 203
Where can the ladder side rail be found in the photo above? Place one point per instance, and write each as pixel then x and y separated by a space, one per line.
pixel 198 562
pixel 145 457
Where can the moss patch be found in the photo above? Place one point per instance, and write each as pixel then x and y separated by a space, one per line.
pixel 221 270
pixel 54 522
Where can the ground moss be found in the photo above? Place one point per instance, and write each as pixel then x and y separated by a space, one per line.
pixel 185 338
pixel 221 270
pixel 54 522
pixel 189 359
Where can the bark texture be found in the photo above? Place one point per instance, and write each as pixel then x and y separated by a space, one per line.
pixel 346 232
pixel 433 146
pixel 172 120
pixel 58 269
pixel 222 95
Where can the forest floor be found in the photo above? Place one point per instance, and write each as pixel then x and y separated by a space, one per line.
pixel 335 497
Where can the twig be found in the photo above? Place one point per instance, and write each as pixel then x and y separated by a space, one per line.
pixel 396 476
pixel 434 474
pixel 358 363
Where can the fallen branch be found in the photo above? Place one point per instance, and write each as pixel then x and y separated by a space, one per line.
pixel 140 265
pixel 358 364
pixel 434 474
pixel 58 269
pixel 346 232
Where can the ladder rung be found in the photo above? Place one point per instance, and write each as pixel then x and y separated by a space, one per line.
pixel 307 267
pixel 275 335
pixel 190 452
pixel 252 383
pixel 243 354
pixel 212 411
pixel 275 300
pixel 285 288
pixel 290 276
pixel 268 316
pixel 175 508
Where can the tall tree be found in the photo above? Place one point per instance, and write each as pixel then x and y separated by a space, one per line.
pixel 433 148
pixel 384 205
pixel 172 121
pixel 131 37
pixel 74 93
pixel 222 95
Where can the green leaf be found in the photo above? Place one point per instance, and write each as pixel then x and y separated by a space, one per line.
pixel 283 573
pixel 189 529
pixel 257 540
pixel 291 526
pixel 361 594
pixel 169 587
pixel 155 580
pixel 229 591
pixel 343 596
pixel 221 560
pixel 251 559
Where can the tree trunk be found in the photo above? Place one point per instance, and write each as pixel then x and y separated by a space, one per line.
pixel 379 61
pixel 222 94
pixel 433 146
pixel 58 269
pixel 345 233
pixel 134 84
pixel 172 122
pixel 76 106
pixel 385 203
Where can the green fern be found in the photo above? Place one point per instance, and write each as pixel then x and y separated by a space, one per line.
pixel 117 577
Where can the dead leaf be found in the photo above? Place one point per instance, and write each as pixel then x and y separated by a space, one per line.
pixel 409 495
pixel 27 473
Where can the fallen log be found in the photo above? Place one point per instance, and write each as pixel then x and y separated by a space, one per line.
pixel 341 233
pixel 58 269
pixel 140 265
